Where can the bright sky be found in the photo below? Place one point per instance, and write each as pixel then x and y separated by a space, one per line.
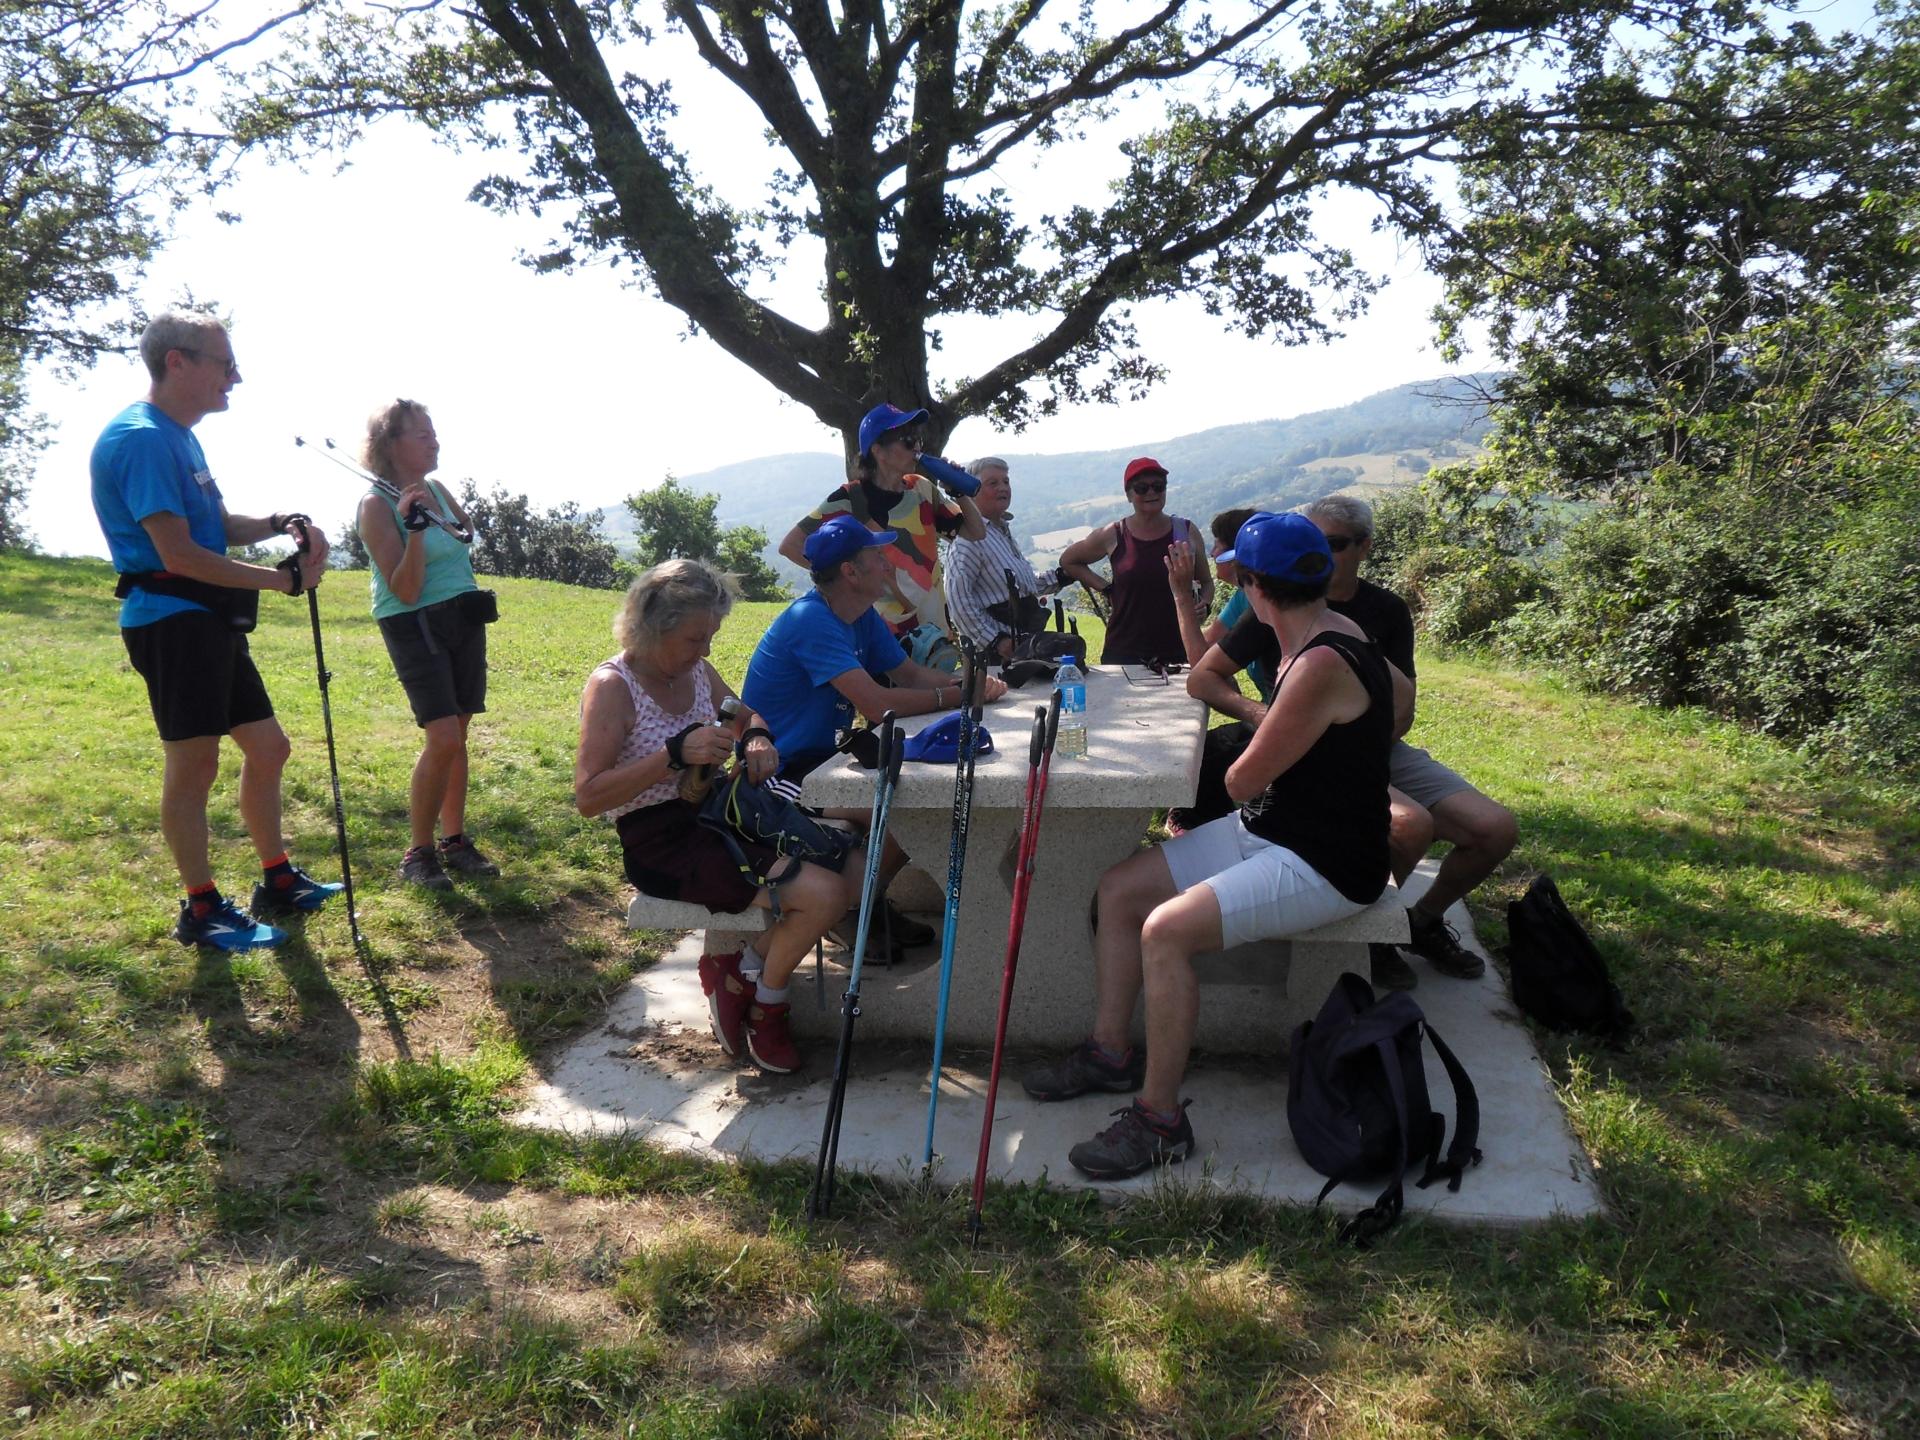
pixel 349 288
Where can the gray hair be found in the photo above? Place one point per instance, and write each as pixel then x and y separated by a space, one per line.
pixel 1348 510
pixel 665 597
pixel 176 329
pixel 979 468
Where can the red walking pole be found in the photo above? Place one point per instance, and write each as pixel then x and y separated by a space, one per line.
pixel 1046 725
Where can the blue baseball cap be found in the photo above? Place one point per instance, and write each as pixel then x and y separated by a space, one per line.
pixel 882 418
pixel 939 743
pixel 1286 547
pixel 839 539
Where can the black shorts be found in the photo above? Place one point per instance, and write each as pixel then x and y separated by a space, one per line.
pixel 199 673
pixel 668 853
pixel 441 659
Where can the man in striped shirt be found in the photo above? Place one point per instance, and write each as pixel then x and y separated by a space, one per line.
pixel 976 570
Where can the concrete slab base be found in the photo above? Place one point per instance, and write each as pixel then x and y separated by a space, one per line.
pixel 655 1070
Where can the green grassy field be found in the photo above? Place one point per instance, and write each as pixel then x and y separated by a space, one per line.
pixel 278 1196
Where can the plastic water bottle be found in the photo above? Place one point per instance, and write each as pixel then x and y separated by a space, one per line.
pixel 1071 741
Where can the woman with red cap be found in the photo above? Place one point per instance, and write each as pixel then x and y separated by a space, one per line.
pixel 1145 626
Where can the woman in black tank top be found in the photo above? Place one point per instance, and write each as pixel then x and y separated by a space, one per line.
pixel 1308 846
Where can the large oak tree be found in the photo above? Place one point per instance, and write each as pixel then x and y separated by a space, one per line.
pixel 891 121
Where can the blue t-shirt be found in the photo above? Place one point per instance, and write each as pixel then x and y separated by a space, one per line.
pixel 789 679
pixel 1237 608
pixel 146 463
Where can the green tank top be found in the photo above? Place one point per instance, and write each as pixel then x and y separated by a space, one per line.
pixel 449 565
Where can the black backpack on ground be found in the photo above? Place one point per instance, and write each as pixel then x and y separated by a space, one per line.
pixel 1559 976
pixel 1357 1100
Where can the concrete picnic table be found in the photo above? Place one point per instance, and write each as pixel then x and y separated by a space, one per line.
pixel 1144 737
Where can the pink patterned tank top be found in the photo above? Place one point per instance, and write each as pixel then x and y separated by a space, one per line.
pixel 652 726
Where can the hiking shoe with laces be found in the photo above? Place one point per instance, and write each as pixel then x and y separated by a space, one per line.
pixel 1390 968
pixel 1134 1142
pixel 1083 1070
pixel 421 866
pixel 461 856
pixel 293 893
pixel 729 995
pixel 1438 943
pixel 225 926
pixel 848 930
pixel 769 1040
pixel 908 933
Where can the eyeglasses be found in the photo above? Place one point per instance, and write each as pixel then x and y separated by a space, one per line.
pixel 1339 543
pixel 912 442
pixel 232 365
pixel 1149 487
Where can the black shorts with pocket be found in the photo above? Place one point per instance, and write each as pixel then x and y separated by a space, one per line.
pixel 441 658
pixel 200 675
pixel 669 854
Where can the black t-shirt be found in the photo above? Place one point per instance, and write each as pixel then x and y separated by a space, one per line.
pixel 1374 608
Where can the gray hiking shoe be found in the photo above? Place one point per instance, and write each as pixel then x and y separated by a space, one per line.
pixel 1390 968
pixel 1134 1142
pixel 461 856
pixel 848 930
pixel 1438 943
pixel 1084 1070
pixel 421 866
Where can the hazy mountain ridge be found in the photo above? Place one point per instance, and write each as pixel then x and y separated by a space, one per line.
pixel 1386 439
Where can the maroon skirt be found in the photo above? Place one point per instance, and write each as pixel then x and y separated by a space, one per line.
pixel 668 854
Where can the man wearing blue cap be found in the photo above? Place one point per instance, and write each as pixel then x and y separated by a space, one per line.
pixel 888 494
pixel 822 660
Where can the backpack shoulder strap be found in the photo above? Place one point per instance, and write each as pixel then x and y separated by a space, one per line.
pixel 1466 1125
pixel 1380 1215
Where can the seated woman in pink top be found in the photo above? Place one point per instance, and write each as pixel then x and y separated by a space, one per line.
pixel 645 717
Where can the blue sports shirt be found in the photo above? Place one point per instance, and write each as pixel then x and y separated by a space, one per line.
pixel 789 679
pixel 146 463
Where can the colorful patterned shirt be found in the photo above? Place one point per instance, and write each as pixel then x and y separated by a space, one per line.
pixel 919 517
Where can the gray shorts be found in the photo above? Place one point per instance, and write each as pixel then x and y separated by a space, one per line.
pixel 441 658
pixel 1420 777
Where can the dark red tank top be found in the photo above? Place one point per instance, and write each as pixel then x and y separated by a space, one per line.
pixel 1144 626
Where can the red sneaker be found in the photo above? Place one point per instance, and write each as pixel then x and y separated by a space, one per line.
pixel 770 1041
pixel 728 996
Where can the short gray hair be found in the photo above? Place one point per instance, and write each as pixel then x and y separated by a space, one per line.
pixel 664 597
pixel 1348 510
pixel 979 468
pixel 176 329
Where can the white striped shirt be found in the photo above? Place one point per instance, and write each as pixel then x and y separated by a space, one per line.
pixel 976 577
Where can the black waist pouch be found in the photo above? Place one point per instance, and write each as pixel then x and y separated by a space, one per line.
pixel 240 608
pixel 478 607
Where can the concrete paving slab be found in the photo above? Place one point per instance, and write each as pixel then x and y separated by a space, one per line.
pixel 653 1069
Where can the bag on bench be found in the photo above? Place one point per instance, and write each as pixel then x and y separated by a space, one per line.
pixel 736 809
pixel 1559 976
pixel 1357 1100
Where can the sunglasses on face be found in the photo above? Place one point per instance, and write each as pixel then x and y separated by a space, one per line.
pixel 1150 487
pixel 912 442
pixel 1338 543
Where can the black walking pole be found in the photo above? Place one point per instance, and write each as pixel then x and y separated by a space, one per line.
pixel 956 871
pixel 1046 725
pixel 301 522
pixel 820 1197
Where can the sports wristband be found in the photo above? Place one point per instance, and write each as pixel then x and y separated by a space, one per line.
pixel 755 732
pixel 676 746
pixel 276 523
pixel 292 566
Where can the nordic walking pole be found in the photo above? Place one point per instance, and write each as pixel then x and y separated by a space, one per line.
pixel 1046 725
pixel 326 716
pixel 956 870
pixel 820 1197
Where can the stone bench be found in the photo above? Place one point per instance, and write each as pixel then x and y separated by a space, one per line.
pixel 720 931
pixel 1306 965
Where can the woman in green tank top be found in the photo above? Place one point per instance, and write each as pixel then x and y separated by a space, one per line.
pixel 437 644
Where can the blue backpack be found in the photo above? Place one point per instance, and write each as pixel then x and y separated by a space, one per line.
pixel 1357 1100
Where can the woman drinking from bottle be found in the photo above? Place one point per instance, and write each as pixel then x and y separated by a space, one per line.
pixel 433 617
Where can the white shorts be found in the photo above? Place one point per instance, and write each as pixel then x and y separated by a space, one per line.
pixel 1264 890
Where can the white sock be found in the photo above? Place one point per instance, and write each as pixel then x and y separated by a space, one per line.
pixel 752 962
pixel 764 994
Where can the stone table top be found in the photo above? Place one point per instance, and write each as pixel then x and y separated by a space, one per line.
pixel 1143 752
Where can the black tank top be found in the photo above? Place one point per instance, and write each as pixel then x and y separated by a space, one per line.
pixel 1330 806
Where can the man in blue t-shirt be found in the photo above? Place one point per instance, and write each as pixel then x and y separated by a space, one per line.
pixel 184 616
pixel 823 659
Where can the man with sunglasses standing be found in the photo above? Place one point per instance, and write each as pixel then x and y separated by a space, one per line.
pixel 185 613
pixel 887 493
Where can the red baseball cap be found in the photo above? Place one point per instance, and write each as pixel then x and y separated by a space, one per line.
pixel 1145 465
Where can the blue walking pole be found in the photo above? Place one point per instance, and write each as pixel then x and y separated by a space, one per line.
pixel 956 867
pixel 820 1197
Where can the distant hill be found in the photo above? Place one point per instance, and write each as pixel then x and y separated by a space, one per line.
pixel 1377 444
